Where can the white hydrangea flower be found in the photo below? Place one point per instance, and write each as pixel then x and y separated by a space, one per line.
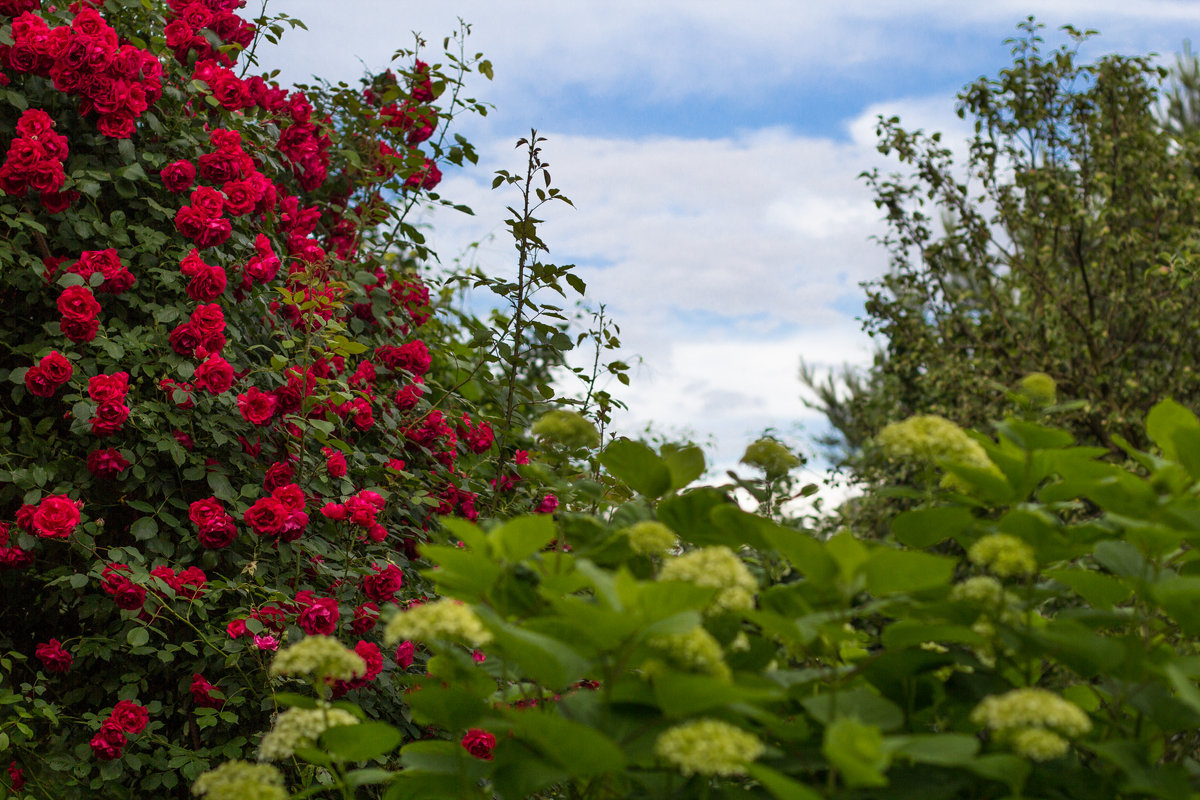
pixel 718 567
pixel 708 747
pixel 300 727
pixel 241 780
pixel 1031 708
pixel 319 656
pixel 440 619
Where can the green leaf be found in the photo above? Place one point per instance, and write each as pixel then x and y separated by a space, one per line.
pixel 143 528
pixel 292 699
pixel 891 571
pixel 779 785
pixel 522 537
pixel 219 484
pixel 857 751
pixel 580 750
pixel 943 749
pixel 861 703
pixel 925 527
pixel 1165 422
pixel 361 742
pixel 453 707
pixel 686 463
pixel 541 658
pixel 1099 589
pixel 137 636
pixel 638 466
pixel 369 775
pixel 1179 596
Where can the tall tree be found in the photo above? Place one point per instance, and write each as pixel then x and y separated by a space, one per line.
pixel 1063 242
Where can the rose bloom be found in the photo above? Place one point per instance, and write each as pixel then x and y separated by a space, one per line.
pixel 184 339
pixel 218 534
pixel 202 693
pixel 383 585
pixel 78 304
pixel 107 744
pixel 53 657
pixel 257 406
pixel 479 743
pixel 320 618
pixel 279 474
pixel 267 516
pixel 79 330
pixel 109 388
pixel 214 375
pixel 129 716
pixel 236 629
pixel 106 463
pixel 109 418
pixel 178 176
pixel 57 368
pixel 404 654
pixel 207 284
pixel 365 617
pixel 56 517
pixel 263 642
pixel 335 462
pixel 38 383
pixel 129 596
pixel 208 321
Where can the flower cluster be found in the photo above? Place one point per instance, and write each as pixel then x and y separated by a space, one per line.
pixel 124 592
pixel 207 280
pixel 204 693
pixel 203 222
pixel 933 439
pixel 650 538
pixel 370 654
pixel 53 657
pixel 117 277
pixel 478 438
pixel 696 650
pixel 214 525
pixel 80 313
pixel 241 780
pixel 1003 554
pixel 319 657
pixel 382 585
pixel 281 515
pixel 116 82
pixel 109 392
pixel 708 747
pixel 188 19
pixel 441 619
pixel 11 556
pixel 1033 721
pixel 719 568
pixel 300 727
pixel 51 372
pixel 361 509
pixel 771 456
pixel 35 160
pixel 567 428
pixel 188 583
pixel 126 717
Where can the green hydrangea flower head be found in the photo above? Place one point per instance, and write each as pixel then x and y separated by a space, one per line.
pixel 1038 744
pixel 932 439
pixel 981 590
pixel 771 456
pixel 718 567
pixel 695 650
pixel 300 727
pixel 1031 707
pixel 650 538
pixel 241 780
pixel 708 747
pixel 319 657
pixel 1003 554
pixel 568 428
pixel 440 619
pixel 1040 388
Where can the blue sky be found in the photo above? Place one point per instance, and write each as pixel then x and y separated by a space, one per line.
pixel 711 149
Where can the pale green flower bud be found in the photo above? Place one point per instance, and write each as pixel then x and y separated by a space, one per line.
pixel 650 538
pixel 241 780
pixel 568 428
pixel 319 657
pixel 440 619
pixel 718 567
pixel 300 727
pixel 1038 744
pixel 708 747
pixel 695 650
pixel 771 456
pixel 1040 388
pixel 933 439
pixel 1031 708
pixel 1003 554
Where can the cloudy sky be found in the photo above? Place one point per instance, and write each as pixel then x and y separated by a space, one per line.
pixel 711 150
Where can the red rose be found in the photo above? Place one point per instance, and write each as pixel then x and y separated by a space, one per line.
pixel 267 516
pixel 218 534
pixel 107 463
pixel 257 406
pixel 202 693
pixel 107 744
pixel 208 321
pixel 79 330
pixel 129 716
pixel 207 201
pixel 205 512
pixel 109 388
pixel 38 383
pixel 236 629
pixel 184 339
pixel 78 304
pixel 178 176
pixel 320 618
pixel 383 584
pixel 404 654
pixel 335 462
pixel 57 368
pixel 279 474
pixel 129 596
pixel 53 657
pixel 208 282
pixel 365 617
pixel 118 125
pixel 479 743
pixel 56 517
pixel 16 777
pixel 240 197
pixel 215 375
pixel 109 418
